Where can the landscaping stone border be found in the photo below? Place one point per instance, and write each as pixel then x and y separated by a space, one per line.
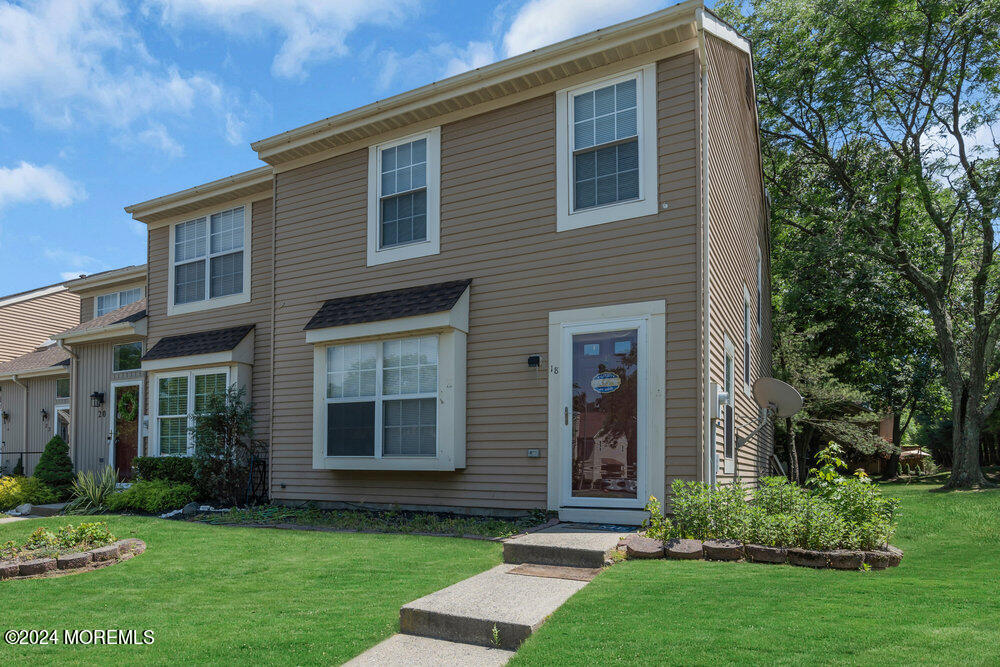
pixel 120 551
pixel 638 546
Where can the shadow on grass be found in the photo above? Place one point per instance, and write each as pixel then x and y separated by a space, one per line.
pixel 992 474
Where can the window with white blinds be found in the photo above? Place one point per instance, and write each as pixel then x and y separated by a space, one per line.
pixel 105 303
pixel 208 257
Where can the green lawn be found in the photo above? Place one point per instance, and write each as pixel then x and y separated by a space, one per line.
pixel 236 595
pixel 941 606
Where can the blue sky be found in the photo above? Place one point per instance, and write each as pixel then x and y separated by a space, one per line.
pixel 104 103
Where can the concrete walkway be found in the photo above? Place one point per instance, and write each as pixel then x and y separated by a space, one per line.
pixel 485 618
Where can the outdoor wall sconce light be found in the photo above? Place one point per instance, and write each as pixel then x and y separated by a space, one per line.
pixel 45 414
pixel 534 361
pixel 96 399
pixel 6 416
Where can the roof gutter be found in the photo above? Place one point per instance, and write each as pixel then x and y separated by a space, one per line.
pixel 709 464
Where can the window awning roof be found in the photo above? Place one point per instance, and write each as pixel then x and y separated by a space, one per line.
pixel 202 342
pixel 390 305
pixel 128 320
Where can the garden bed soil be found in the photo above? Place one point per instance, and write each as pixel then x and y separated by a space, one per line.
pixel 59 565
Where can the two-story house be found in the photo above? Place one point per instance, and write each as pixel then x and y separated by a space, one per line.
pixel 520 287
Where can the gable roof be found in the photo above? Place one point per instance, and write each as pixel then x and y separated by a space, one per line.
pixel 202 342
pixel 45 358
pixel 390 305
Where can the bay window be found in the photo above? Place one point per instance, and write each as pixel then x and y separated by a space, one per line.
pixel 178 397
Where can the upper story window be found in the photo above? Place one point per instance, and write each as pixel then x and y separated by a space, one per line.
pixel 606 143
pixel 404 198
pixel 105 303
pixel 62 388
pixel 210 261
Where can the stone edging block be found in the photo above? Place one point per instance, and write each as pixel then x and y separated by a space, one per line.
pixel 68 563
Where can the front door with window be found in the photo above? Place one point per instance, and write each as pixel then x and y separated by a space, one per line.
pixel 126 434
pixel 603 418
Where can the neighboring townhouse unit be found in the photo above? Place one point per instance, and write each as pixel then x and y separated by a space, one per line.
pixel 521 287
pixel 107 388
pixel 28 319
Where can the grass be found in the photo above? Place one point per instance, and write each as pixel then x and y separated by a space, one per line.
pixel 940 606
pixel 393 521
pixel 235 595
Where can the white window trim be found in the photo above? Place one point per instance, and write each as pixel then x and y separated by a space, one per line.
pixel 646 204
pixel 653 393
pixel 760 290
pixel 154 407
pixel 746 354
pixel 431 246
pixel 117 293
pixel 142 350
pixel 451 328
pixel 219 301
pixel 729 463
pixel 68 396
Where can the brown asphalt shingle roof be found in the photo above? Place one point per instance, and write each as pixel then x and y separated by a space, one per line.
pixel 133 312
pixel 390 305
pixel 41 358
pixel 203 342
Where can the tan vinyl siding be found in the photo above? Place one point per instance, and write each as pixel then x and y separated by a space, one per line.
pixel 257 311
pixel 41 395
pixel 91 425
pixel 25 325
pixel 498 228
pixel 738 227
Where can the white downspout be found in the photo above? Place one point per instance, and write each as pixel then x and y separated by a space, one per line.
pixel 24 425
pixel 709 461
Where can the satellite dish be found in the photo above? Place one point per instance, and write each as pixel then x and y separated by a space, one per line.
pixel 775 395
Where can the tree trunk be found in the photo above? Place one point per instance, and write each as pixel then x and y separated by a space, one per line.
pixel 793 458
pixel 892 467
pixel 966 472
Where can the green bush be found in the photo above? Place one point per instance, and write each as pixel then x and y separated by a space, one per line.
pixel 91 491
pixel 776 495
pixel 707 512
pixel 176 469
pixel 16 491
pixel 870 517
pixel 55 467
pixel 152 497
pixel 18 470
pixel 657 526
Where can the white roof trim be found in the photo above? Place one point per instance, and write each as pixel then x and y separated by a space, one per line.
pixel 116 330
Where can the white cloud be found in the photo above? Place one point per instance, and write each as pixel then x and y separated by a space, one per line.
pixel 439 61
pixel 70 61
pixel 158 137
pixel 542 22
pixel 28 183
pixel 311 30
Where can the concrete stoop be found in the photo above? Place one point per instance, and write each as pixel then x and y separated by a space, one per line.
pixel 484 619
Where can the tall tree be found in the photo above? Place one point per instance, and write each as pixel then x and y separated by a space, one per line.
pixel 882 113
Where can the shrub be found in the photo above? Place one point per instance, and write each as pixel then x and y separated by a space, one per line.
pixel 705 512
pixel 176 469
pixel 152 496
pixel 224 446
pixel 819 527
pixel 55 467
pixel 870 517
pixel 657 526
pixel 776 495
pixel 91 492
pixel 18 470
pixel 16 491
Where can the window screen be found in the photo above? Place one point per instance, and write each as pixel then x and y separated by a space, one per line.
pixel 403 200
pixel 606 145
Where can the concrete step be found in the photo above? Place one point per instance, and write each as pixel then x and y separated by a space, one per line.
pixel 413 651
pixel 564 544
pixel 468 611
pixel 47 510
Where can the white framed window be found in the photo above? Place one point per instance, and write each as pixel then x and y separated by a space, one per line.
pixel 177 398
pixel 606 143
pixel 62 388
pixel 105 303
pixel 729 412
pixel 126 357
pixel 404 198
pixel 747 332
pixel 381 398
pixel 210 261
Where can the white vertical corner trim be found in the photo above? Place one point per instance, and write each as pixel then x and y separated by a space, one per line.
pixel 650 318
pixel 648 201
pixel 432 245
pixel 220 301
